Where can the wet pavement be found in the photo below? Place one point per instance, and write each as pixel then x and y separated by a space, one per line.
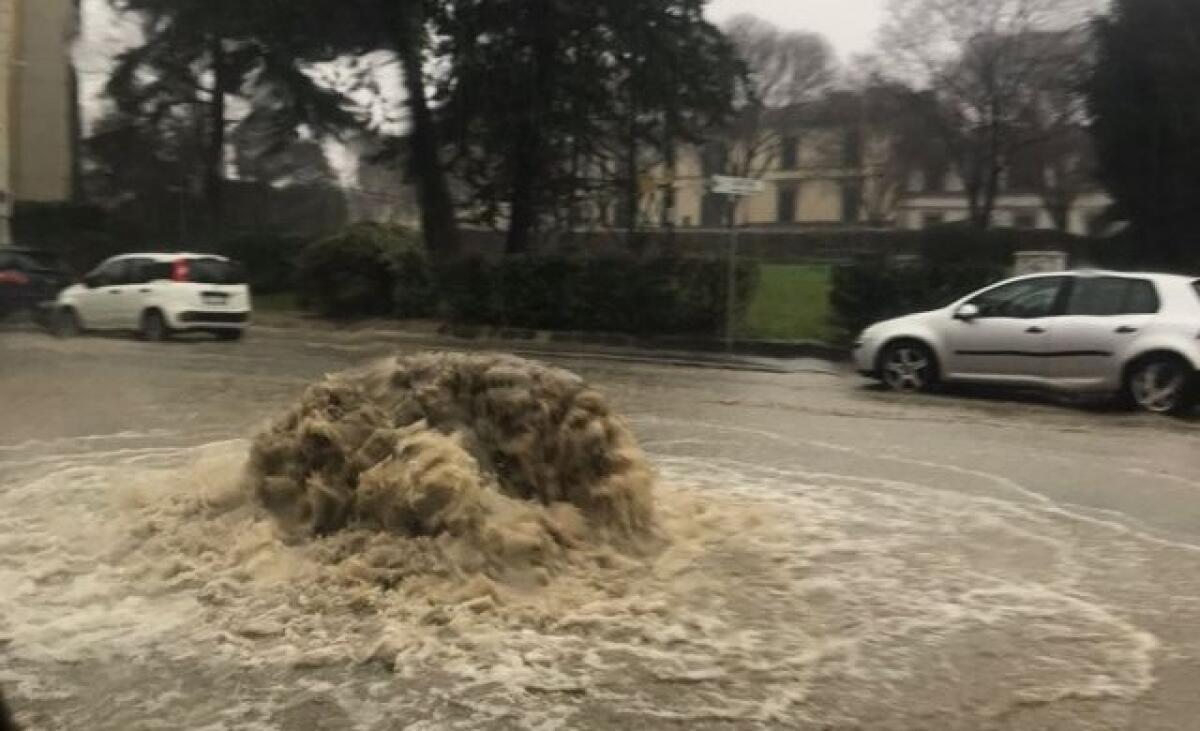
pixel 845 559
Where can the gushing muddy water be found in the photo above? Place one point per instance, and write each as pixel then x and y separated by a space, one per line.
pixel 480 542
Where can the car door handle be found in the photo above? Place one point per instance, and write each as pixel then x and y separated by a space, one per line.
pixel 1036 330
pixel 144 291
pixel 115 291
pixel 1126 330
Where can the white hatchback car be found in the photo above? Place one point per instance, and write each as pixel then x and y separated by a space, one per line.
pixel 1131 335
pixel 157 295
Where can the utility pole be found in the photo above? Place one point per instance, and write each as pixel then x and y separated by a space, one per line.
pixel 733 189
pixel 731 284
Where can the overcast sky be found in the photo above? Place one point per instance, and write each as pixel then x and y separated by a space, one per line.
pixel 850 25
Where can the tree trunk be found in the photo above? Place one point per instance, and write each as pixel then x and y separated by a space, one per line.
pixel 991 190
pixel 438 225
pixel 523 214
pixel 214 149
pixel 528 150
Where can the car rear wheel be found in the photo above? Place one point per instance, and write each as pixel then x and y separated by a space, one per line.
pixel 154 327
pixel 66 323
pixel 908 366
pixel 1162 385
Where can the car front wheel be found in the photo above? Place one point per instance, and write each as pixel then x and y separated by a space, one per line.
pixel 908 366
pixel 1162 385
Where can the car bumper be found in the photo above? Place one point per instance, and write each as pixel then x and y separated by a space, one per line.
pixel 207 320
pixel 864 353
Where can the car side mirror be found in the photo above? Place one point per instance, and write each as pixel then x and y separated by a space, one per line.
pixel 91 281
pixel 966 312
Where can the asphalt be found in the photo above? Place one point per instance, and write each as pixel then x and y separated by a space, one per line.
pixel 1007 561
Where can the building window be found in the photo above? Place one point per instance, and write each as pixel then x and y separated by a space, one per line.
pixel 929 220
pixel 852 148
pixel 789 153
pixel 714 209
pixel 1024 220
pixel 851 201
pixel 785 204
pixel 668 205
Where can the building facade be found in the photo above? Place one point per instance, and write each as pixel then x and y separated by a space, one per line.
pixel 36 103
pixel 838 162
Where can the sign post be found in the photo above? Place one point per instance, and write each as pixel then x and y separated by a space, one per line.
pixel 733 189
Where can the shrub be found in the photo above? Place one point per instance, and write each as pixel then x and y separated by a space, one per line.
pixel 353 273
pixel 270 259
pixel 414 288
pixel 465 286
pixel 534 291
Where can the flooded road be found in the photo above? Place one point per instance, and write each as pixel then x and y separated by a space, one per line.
pixel 840 559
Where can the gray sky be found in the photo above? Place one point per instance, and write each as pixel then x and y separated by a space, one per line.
pixel 850 25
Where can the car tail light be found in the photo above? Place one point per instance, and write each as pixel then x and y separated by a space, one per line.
pixel 179 270
pixel 14 277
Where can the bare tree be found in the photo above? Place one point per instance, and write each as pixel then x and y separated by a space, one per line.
pixel 980 74
pixel 787 68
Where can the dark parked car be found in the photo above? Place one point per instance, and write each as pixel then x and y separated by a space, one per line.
pixel 28 279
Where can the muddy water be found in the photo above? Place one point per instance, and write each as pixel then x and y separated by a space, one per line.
pixel 142 590
pixel 834 602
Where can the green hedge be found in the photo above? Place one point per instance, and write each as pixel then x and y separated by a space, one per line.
pixel 953 261
pixel 600 294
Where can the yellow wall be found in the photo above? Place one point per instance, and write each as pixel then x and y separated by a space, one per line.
pixel 818 180
pixel 7 43
pixel 40 133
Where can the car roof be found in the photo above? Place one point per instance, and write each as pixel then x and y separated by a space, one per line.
pixel 163 256
pixel 1157 276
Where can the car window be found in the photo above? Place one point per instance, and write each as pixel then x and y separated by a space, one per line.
pixel 140 271
pixel 1108 296
pixel 1141 298
pixel 110 273
pixel 1024 299
pixel 156 271
pixel 215 271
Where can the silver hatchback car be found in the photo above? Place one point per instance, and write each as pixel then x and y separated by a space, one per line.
pixel 1136 336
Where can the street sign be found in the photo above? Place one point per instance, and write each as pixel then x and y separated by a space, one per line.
pixel 735 186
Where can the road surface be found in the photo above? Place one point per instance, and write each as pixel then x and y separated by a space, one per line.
pixel 840 558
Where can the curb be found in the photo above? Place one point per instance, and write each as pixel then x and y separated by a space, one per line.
pixel 782 349
pixel 682 343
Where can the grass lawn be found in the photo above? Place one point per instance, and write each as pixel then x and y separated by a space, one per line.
pixel 791 303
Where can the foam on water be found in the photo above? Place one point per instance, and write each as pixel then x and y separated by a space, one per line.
pixel 779 597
